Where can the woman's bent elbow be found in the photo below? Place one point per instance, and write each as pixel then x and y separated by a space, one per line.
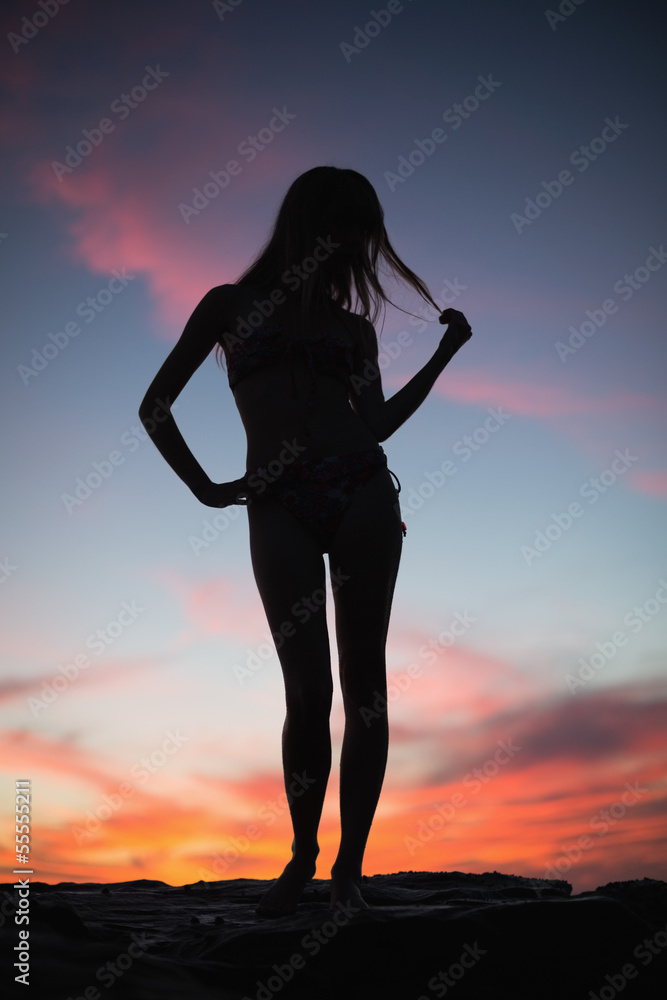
pixel 153 412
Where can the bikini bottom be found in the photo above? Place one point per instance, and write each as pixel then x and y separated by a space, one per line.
pixel 319 491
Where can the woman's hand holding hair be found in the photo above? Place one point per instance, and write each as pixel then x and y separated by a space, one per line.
pixel 458 331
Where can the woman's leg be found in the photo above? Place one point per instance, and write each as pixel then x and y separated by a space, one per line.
pixel 289 570
pixel 365 555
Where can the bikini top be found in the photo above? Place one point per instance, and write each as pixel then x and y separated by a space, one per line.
pixel 326 353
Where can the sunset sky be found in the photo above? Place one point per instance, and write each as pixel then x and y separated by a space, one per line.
pixel 519 156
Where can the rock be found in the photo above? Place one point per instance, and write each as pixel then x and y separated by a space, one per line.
pixel 484 936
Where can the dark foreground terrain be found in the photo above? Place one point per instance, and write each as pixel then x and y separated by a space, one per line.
pixel 426 935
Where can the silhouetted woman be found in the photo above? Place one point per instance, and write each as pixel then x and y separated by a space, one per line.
pixel 304 372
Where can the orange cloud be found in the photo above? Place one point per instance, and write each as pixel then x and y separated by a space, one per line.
pixel 566 786
pixel 569 786
pixel 63 758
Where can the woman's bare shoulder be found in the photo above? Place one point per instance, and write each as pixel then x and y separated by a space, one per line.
pixel 224 294
pixel 223 303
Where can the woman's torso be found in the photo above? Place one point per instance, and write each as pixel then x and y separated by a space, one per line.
pixel 294 394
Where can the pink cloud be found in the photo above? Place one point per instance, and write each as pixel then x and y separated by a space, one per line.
pixel 451 685
pixel 12 688
pixel 109 672
pixel 120 210
pixel 588 420
pixel 122 204
pixel 651 482
pixel 62 758
pixel 532 394
pixel 217 606
pixel 116 227
pixel 588 731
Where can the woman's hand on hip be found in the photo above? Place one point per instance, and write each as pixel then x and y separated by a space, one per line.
pixel 225 494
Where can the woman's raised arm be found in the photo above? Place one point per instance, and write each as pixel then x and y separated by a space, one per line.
pixel 385 416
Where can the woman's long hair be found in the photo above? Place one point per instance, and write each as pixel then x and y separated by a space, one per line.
pixel 330 216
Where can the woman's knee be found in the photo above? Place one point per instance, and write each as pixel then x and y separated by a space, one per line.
pixel 308 700
pixel 363 676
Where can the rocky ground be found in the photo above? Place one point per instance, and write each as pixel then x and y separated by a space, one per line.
pixel 426 935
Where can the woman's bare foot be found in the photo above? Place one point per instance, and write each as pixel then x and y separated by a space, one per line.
pixel 345 889
pixel 285 892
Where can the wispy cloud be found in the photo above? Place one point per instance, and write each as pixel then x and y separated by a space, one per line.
pixel 534 393
pixel 511 789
